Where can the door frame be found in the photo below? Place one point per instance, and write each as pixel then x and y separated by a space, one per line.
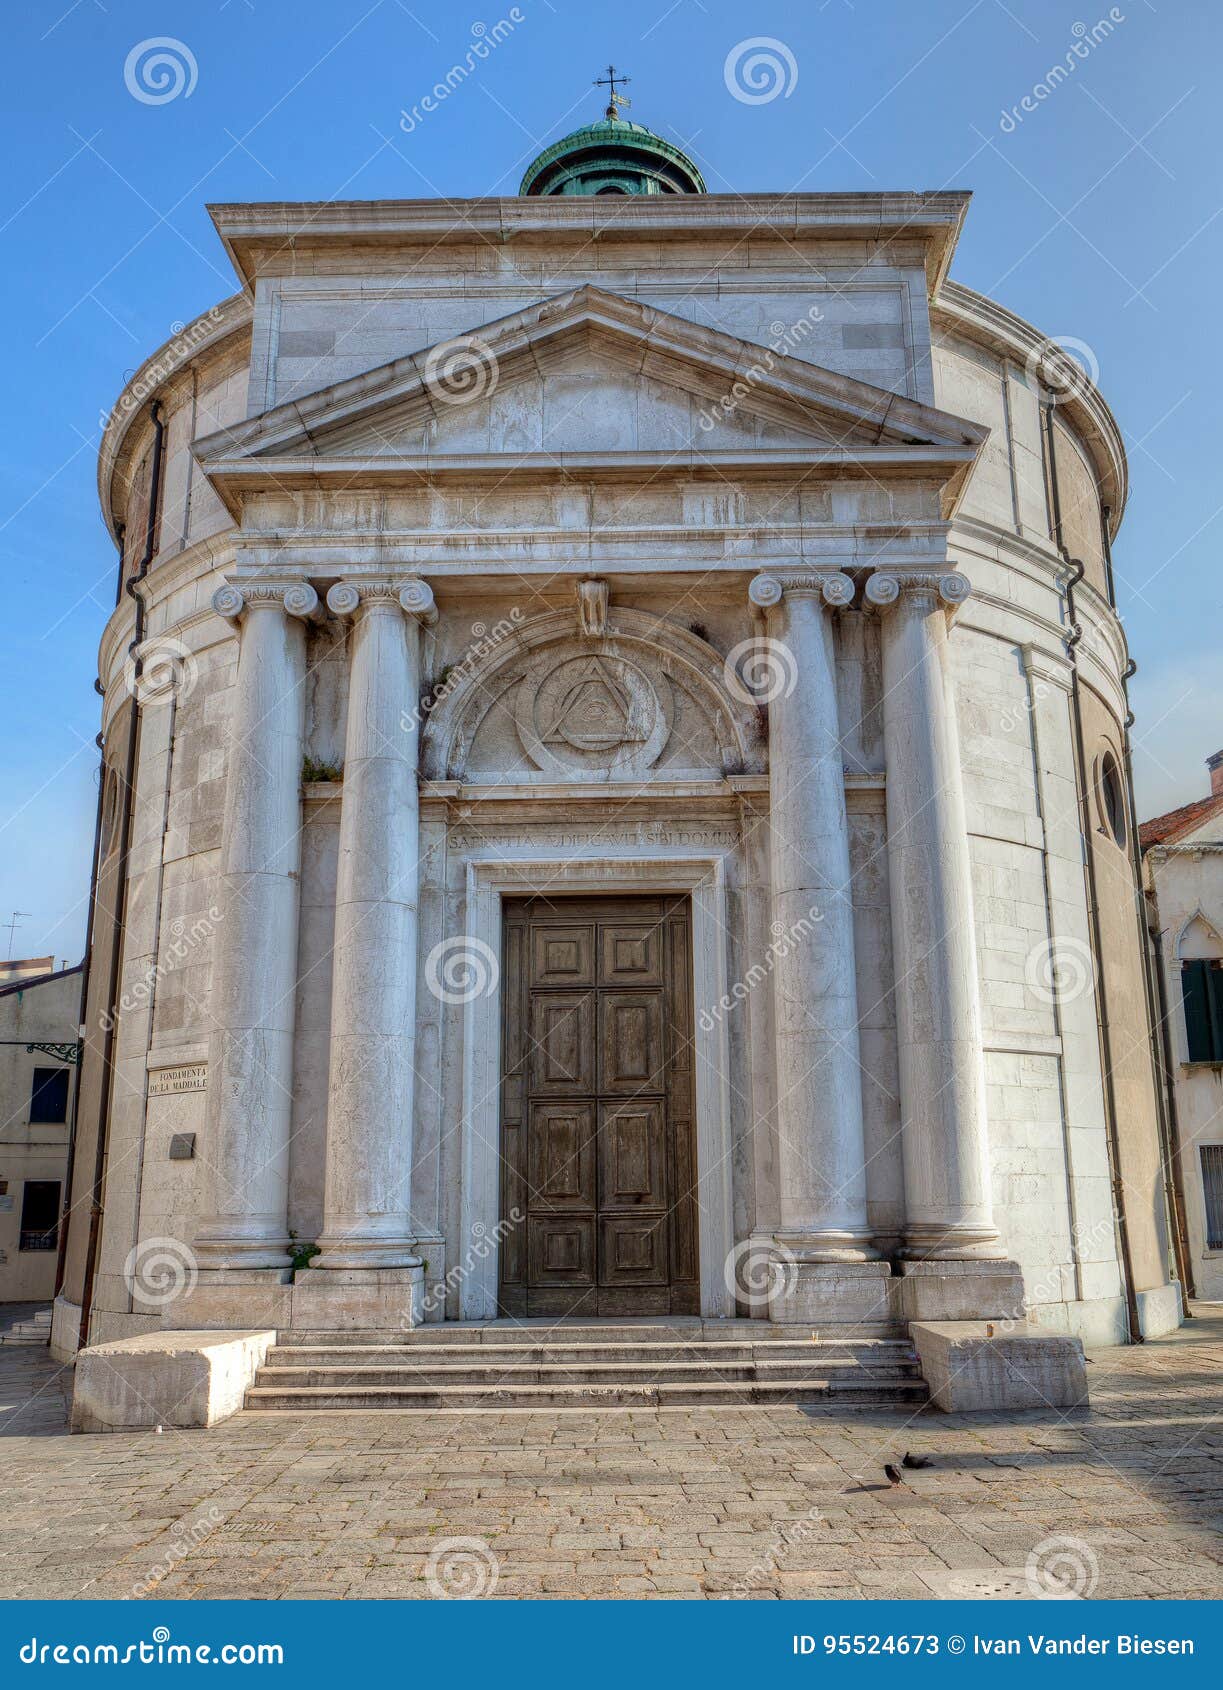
pixel 488 883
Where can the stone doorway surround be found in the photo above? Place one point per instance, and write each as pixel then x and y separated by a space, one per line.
pixel 488 883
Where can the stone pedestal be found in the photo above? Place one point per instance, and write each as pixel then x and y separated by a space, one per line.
pixel 964 1290
pixel 372 1299
pixel 168 1379
pixel 973 1369
pixel 823 1294
pixel 357 1299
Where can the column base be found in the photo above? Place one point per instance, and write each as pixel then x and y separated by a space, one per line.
pixel 231 1253
pixel 962 1290
pixel 827 1246
pixel 831 1294
pixel 348 1251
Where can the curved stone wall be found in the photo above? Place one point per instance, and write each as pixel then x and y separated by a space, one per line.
pixel 1033 711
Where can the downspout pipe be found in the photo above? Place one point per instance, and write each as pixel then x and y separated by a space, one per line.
pixel 61 1257
pixel 65 1224
pixel 119 913
pixel 1078 569
pixel 1157 1017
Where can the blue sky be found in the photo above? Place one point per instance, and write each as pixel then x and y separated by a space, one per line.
pixel 1099 216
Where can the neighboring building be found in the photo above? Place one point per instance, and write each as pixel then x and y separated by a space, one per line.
pixel 1183 876
pixel 40 1013
pixel 670 642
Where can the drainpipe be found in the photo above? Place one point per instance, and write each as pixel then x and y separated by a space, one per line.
pixel 1157 1020
pixel 1077 570
pixel 61 1258
pixel 119 914
pixel 1176 1159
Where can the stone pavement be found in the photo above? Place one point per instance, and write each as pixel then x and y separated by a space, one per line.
pixel 722 1503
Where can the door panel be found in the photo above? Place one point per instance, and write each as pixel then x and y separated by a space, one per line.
pixel 630 954
pixel 630 1043
pixel 633 1156
pixel 562 1049
pixel 561 1171
pixel 632 1250
pixel 562 956
pixel 598 1136
pixel 561 1250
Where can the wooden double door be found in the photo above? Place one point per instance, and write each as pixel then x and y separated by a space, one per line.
pixel 597 1125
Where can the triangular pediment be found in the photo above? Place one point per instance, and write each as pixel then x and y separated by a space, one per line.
pixel 588 375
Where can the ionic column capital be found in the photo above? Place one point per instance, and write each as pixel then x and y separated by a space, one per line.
pixel 413 597
pixel 298 598
pixel 832 586
pixel 947 587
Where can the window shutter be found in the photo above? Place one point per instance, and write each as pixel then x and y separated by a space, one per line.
pixel 1196 990
pixel 1214 992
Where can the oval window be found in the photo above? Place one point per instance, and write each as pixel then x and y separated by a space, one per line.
pixel 1112 797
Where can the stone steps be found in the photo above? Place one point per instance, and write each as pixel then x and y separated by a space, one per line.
pixel 509 1366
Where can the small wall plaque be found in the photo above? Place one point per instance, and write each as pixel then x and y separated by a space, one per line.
pixel 169 1082
pixel 182 1147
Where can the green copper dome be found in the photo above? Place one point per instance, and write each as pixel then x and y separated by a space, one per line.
pixel 613 157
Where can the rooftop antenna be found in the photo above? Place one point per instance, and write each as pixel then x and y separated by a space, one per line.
pixel 615 100
pixel 12 926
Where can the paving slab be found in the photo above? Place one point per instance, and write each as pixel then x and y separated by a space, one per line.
pixel 716 1504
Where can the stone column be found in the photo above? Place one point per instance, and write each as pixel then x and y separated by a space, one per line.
pixel 824 1238
pixel 954 1271
pixel 244 1214
pixel 367 1222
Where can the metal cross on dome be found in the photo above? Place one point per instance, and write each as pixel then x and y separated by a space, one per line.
pixel 609 81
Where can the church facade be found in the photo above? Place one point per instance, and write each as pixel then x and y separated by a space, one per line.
pixel 615 794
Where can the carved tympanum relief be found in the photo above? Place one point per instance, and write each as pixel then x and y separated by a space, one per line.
pixel 563 705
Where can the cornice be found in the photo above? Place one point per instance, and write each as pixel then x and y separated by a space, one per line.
pixel 984 320
pixel 203 334
pixel 276 236
pixel 235 478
